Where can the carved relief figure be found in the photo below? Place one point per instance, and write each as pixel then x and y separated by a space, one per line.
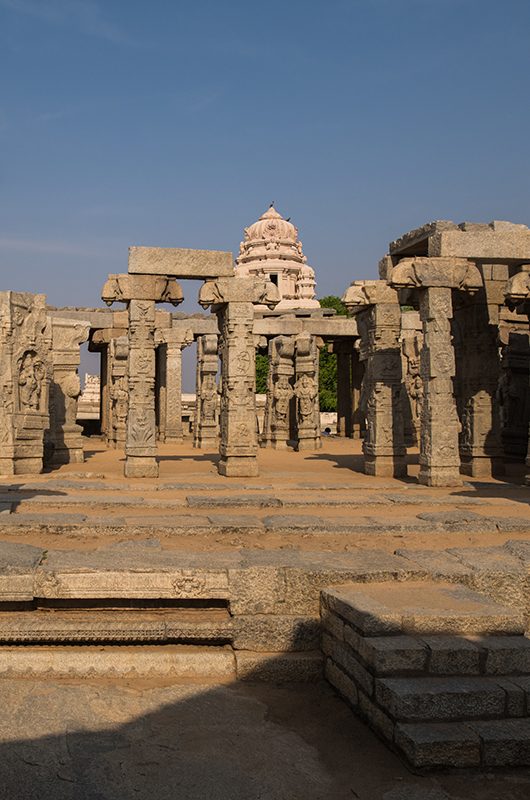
pixel 30 380
pixel 209 398
pixel 71 387
pixel 282 394
pixel 306 391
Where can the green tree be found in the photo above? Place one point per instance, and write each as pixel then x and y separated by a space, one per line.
pixel 262 372
pixel 327 383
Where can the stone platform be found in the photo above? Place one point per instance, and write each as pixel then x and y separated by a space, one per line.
pixel 195 576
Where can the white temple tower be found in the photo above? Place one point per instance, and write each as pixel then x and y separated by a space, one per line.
pixel 271 249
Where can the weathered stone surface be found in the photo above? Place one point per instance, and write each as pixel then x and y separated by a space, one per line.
pixel 439 564
pixel 345 658
pixel 391 655
pixel 180 262
pixel 181 661
pixel 378 609
pixel 504 742
pixel 341 682
pixel 452 655
pixel 243 500
pixel 506 654
pixel 438 744
pixel 275 633
pixel 439 699
pixel 280 668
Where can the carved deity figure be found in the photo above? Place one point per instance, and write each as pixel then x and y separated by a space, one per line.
pixel 71 387
pixel 306 391
pixel 209 398
pixel 30 380
pixel 282 394
pixel 119 399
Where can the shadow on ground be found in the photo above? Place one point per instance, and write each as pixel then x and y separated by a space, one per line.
pixel 119 740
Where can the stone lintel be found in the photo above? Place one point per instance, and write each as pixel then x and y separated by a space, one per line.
pixel 106 335
pixel 159 289
pixel 326 327
pixel 449 273
pixel 493 240
pixel 180 262
pixel 360 294
pixel 238 290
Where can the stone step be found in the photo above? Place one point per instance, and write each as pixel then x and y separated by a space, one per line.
pixel 179 662
pixel 420 608
pixel 131 625
pixel 494 743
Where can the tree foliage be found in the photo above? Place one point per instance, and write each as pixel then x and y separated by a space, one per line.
pixel 328 362
pixel 262 371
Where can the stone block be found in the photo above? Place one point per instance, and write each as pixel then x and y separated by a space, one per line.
pixel 332 624
pixel 273 633
pixel 440 699
pixel 452 655
pixel 279 668
pixel 180 262
pixel 429 745
pixel 377 718
pixel 344 658
pixel 515 697
pixel 392 655
pixel 341 682
pixel 505 743
pixel 257 590
pixel 232 501
pixel 506 655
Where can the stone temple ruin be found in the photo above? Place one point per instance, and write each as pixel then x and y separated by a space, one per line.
pixel 425 641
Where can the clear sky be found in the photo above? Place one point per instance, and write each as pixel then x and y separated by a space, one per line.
pixel 171 123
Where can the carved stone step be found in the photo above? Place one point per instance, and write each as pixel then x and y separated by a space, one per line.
pixel 116 625
pixel 180 662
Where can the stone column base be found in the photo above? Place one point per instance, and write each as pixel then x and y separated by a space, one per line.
pixel 482 467
pixel 238 467
pixel 21 466
pixel 141 467
pixel 440 476
pixel 308 444
pixel 385 466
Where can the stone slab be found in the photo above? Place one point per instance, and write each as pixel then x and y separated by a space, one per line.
pixel 504 742
pixel 377 609
pixel 237 501
pixel 180 262
pixel 453 655
pixel 440 699
pixel 275 633
pixel 429 745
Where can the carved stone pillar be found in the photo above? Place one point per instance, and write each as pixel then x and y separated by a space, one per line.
pixel 63 440
pixel 141 292
pixel 434 279
pixel 477 381
pixel 172 342
pixel 206 433
pixel 265 439
pixel 357 373
pixel 25 373
pixel 379 318
pixel 344 393
pixel 518 298
pixel 281 373
pixel 118 391
pixel 306 393
pixel 232 299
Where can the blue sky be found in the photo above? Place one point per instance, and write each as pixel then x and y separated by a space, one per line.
pixel 177 123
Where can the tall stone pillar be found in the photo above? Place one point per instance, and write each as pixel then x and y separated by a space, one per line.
pixel 25 373
pixel 518 298
pixel 357 373
pixel 206 433
pixel 172 341
pixel 232 299
pixel 114 346
pixel 306 393
pixel 63 439
pixel 344 393
pixel 281 393
pixel 434 279
pixel 104 394
pixel 141 293
pixel 379 318
pixel 477 381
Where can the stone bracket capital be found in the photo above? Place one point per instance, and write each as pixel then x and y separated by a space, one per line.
pixel 257 291
pixel 449 273
pixel 361 294
pixel 159 289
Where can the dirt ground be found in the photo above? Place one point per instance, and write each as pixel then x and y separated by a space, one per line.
pixel 118 741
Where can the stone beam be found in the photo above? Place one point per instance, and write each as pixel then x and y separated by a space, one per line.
pixel 180 262
pixel 448 273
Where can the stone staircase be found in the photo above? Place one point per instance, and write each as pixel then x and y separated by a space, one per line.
pixel 440 672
